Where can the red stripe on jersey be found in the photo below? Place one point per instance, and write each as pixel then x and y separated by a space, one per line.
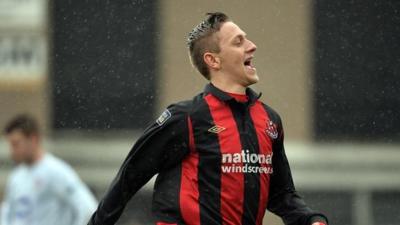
pixel 162 223
pixel 260 121
pixel 232 183
pixel 189 193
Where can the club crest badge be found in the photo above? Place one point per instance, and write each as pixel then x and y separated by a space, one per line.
pixel 163 117
pixel 272 130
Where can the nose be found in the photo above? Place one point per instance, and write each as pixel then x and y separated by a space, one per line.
pixel 251 47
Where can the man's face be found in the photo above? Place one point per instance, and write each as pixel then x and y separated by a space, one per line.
pixel 236 55
pixel 21 146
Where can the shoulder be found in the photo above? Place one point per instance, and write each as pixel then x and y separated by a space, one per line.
pixel 63 180
pixel 58 168
pixel 175 112
pixel 179 110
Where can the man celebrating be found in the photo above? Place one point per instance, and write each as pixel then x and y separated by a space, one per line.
pixel 219 157
pixel 42 189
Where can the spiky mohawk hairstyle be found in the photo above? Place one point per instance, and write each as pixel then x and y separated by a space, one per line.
pixel 201 40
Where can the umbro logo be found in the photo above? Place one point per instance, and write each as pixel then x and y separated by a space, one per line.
pixel 216 129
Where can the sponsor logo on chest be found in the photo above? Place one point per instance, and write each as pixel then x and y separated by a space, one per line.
pixel 246 162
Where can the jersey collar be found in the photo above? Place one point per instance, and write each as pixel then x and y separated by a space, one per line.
pixel 221 95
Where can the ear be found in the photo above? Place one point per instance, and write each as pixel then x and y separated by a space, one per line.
pixel 212 60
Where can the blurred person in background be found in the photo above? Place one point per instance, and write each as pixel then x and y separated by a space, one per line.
pixel 219 157
pixel 42 189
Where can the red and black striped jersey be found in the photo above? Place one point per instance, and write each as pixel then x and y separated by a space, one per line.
pixel 219 162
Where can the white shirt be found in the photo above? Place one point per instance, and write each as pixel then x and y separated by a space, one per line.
pixel 46 193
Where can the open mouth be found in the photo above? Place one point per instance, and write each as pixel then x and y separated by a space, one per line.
pixel 248 63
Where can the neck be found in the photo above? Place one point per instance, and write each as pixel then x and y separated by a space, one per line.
pixel 36 157
pixel 228 86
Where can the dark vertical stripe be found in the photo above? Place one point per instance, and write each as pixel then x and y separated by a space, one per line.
pixel 248 138
pixel 232 186
pixel 209 175
pixel 189 192
pixel 260 120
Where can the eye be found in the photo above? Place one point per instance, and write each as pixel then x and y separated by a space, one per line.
pixel 238 41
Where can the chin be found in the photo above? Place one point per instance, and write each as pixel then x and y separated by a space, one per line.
pixel 252 79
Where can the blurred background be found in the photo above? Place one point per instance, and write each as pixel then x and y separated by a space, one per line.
pixel 96 73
